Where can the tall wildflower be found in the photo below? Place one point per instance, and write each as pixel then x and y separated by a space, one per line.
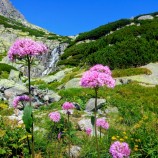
pixel 67 106
pixel 26 50
pixel 97 76
pixel 101 123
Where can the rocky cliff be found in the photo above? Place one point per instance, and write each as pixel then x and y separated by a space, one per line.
pixel 8 10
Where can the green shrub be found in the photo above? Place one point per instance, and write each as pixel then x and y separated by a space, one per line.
pixel 126 39
pixel 102 30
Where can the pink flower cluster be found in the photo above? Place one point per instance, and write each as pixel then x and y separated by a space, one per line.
pixel 102 123
pixel 119 150
pixel 20 98
pixel 97 76
pixel 54 116
pixel 67 106
pixel 23 47
pixel 88 131
pixel 101 68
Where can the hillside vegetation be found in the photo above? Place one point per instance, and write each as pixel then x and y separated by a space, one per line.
pixel 121 44
pixel 11 23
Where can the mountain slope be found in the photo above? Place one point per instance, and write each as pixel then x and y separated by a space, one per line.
pixel 8 10
pixel 121 44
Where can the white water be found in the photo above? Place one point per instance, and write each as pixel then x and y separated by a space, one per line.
pixel 53 59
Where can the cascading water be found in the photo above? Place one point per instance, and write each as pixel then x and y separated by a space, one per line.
pixel 54 58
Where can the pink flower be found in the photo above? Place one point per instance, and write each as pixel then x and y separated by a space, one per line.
pixel 101 68
pixel 24 47
pixel 102 123
pixel 88 131
pixel 119 150
pixel 54 116
pixel 59 135
pixel 20 98
pixel 67 106
pixel 94 79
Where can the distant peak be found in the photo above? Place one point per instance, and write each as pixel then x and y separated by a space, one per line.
pixel 9 11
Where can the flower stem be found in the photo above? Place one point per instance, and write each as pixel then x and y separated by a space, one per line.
pixel 69 132
pixel 28 142
pixel 95 116
pixel 100 132
pixel 29 78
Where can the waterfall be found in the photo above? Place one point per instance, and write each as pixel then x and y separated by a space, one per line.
pixel 53 58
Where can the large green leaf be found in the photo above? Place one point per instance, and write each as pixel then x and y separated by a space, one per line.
pixel 92 120
pixel 27 118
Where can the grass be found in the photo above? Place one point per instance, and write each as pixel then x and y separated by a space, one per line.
pixel 136 121
pixel 130 72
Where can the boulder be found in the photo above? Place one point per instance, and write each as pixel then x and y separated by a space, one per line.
pixel 74 83
pixel 145 17
pixel 16 90
pixel 84 124
pixel 90 105
pixel 75 151
pixel 5 83
pixel 56 77
pixel 14 75
pixel 53 96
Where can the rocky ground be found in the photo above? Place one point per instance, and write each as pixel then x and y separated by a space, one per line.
pixel 13 86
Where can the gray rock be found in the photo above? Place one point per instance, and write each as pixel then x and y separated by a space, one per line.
pixel 16 90
pixel 8 10
pixel 145 17
pixel 74 83
pixel 84 124
pixel 56 77
pixel 14 75
pixel 90 105
pixel 46 98
pixel 53 95
pixel 75 151
pixel 2 96
pixel 6 83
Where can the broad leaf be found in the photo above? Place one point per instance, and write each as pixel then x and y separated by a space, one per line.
pixel 92 120
pixel 27 118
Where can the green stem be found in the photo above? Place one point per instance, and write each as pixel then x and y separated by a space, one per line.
pixel 28 142
pixel 100 132
pixel 29 78
pixel 69 132
pixel 95 116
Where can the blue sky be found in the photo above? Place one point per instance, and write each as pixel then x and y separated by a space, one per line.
pixel 70 17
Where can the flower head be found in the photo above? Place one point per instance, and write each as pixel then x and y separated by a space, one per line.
pixel 54 116
pixel 102 123
pixel 20 98
pixel 119 150
pixel 101 68
pixel 88 131
pixel 24 47
pixel 97 76
pixel 67 106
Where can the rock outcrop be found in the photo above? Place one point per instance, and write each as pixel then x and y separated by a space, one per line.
pixel 8 10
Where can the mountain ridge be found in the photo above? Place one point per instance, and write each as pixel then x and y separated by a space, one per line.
pixel 9 11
